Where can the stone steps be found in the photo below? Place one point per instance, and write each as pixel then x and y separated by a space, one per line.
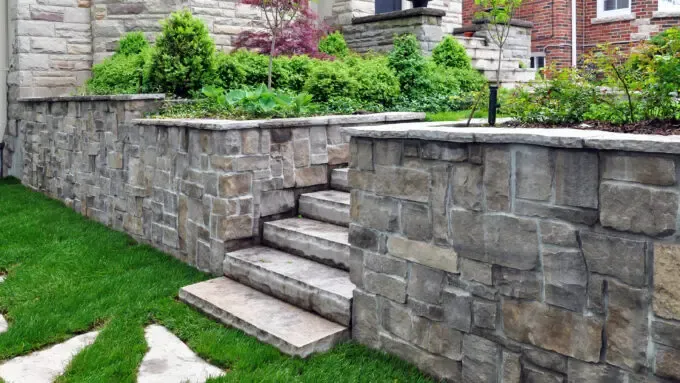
pixel 299 281
pixel 329 206
pixel 339 179
pixel 292 330
pixel 319 241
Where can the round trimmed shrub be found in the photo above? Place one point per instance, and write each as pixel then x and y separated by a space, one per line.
pixel 229 72
pixel 451 54
pixel 132 43
pixel 330 79
pixel 408 63
pixel 376 81
pixel 334 44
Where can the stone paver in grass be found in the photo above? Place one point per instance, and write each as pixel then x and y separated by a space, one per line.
pixel 3 322
pixel 169 360
pixel 46 365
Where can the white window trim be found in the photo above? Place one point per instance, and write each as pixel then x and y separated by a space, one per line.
pixel 601 13
pixel 669 8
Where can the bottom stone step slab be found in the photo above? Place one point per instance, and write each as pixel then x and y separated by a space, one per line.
pixel 292 330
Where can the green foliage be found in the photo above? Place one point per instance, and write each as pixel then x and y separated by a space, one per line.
pixel 291 72
pixel 259 101
pixel 497 12
pixel 254 65
pixel 230 73
pixel 408 63
pixel 184 57
pixel 334 44
pixel 450 53
pixel 132 43
pixel 376 81
pixel 120 74
pixel 329 79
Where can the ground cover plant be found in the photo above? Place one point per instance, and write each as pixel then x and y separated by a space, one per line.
pixel 304 81
pixel 67 275
pixel 613 90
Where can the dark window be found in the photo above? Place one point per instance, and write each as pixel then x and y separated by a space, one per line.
pixel 613 5
pixel 537 62
pixel 384 6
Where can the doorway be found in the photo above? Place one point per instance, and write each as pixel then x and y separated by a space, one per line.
pixel 384 6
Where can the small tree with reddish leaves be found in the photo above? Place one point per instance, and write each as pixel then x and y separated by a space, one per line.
pixel 279 16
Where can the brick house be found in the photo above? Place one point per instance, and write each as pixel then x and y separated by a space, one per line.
pixel 621 22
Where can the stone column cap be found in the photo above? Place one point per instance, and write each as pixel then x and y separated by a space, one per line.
pixel 406 13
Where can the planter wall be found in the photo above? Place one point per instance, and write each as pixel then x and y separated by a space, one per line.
pixel 191 188
pixel 518 255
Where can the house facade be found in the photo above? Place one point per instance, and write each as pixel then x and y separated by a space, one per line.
pixel 565 29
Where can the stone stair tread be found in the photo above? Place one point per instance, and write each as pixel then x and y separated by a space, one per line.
pixel 292 330
pixel 331 206
pixel 301 269
pixel 339 179
pixel 313 228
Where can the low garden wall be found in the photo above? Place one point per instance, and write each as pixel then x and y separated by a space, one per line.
pixel 508 255
pixel 192 188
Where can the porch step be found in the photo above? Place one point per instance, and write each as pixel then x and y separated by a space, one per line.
pixel 299 281
pixel 292 330
pixel 329 206
pixel 319 241
pixel 339 179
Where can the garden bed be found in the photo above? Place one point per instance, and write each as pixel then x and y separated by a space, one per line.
pixel 658 127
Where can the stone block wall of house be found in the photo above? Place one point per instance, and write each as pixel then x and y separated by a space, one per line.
pixel 518 255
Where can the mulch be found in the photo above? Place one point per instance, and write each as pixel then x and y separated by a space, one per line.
pixel 664 128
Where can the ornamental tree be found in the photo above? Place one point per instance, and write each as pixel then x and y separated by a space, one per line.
pixel 279 16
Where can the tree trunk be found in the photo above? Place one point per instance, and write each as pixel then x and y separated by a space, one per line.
pixel 271 61
pixel 498 71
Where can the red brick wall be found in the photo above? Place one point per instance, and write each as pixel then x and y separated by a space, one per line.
pixel 552 25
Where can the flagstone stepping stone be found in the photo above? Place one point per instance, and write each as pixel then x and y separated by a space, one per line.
pixel 46 365
pixel 3 322
pixel 169 360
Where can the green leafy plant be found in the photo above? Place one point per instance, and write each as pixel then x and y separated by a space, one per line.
pixel 452 54
pixel 408 63
pixel 334 44
pixel 229 72
pixel 184 57
pixel 259 101
pixel 376 81
pixel 330 79
pixel 132 43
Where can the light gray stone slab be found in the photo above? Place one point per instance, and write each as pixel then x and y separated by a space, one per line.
pixel 46 365
pixel 3 324
pixel 290 329
pixel 329 206
pixel 299 281
pixel 171 361
pixel 340 179
pixel 316 240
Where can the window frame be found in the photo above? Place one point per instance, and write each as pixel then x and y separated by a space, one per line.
pixel 671 8
pixel 601 13
pixel 534 58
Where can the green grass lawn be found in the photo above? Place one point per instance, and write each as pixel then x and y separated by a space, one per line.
pixel 460 115
pixel 68 275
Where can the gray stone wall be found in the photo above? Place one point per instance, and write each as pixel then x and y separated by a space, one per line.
pixel 189 188
pixel 510 262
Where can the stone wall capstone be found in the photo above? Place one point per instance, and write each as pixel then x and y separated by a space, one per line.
pixel 516 255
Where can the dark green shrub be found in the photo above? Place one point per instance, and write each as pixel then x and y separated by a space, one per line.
pixel 334 44
pixel 469 80
pixel 291 72
pixel 255 66
pixel 450 53
pixel 184 57
pixel 229 71
pixel 119 74
pixel 132 43
pixel 408 63
pixel 376 81
pixel 330 79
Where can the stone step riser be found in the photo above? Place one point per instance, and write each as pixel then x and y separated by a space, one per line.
pixel 317 249
pixel 330 306
pixel 339 179
pixel 292 330
pixel 324 210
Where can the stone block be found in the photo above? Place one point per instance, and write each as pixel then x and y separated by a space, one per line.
pixel 517 283
pixel 365 322
pixel 416 221
pixel 667 280
pixel 565 213
pixel 618 257
pixel 387 153
pixel 576 178
pixel 668 362
pixel 441 367
pixel 566 278
pixel 423 253
pixel 402 183
pixel 237 227
pixel 596 293
pixel 235 185
pixel 439 199
pixel 481 359
pixel 534 173
pixel 397 320
pixel 365 239
pixel 497 178
pixel 425 284
pixel 276 202
pixel 638 209
pixel 484 314
pixel 667 333
pixel 645 169
pixel 373 212
pixel 467 186
pixel 457 308
pixel 535 375
pixel 388 286
pixel 445 342
pixel 383 263
pixel 445 151
pixel 558 233
pixel 581 372
pixel 554 329
pixel 310 176
pixel 361 154
pixel 302 154
pixel 512 369
pixel 476 271
pixel 626 326
pixel 510 241
pixel 545 359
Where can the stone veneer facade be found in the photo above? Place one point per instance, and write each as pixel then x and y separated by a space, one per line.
pixel 190 188
pixel 512 255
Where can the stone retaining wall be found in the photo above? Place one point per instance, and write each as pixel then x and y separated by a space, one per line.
pixel 513 255
pixel 192 188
